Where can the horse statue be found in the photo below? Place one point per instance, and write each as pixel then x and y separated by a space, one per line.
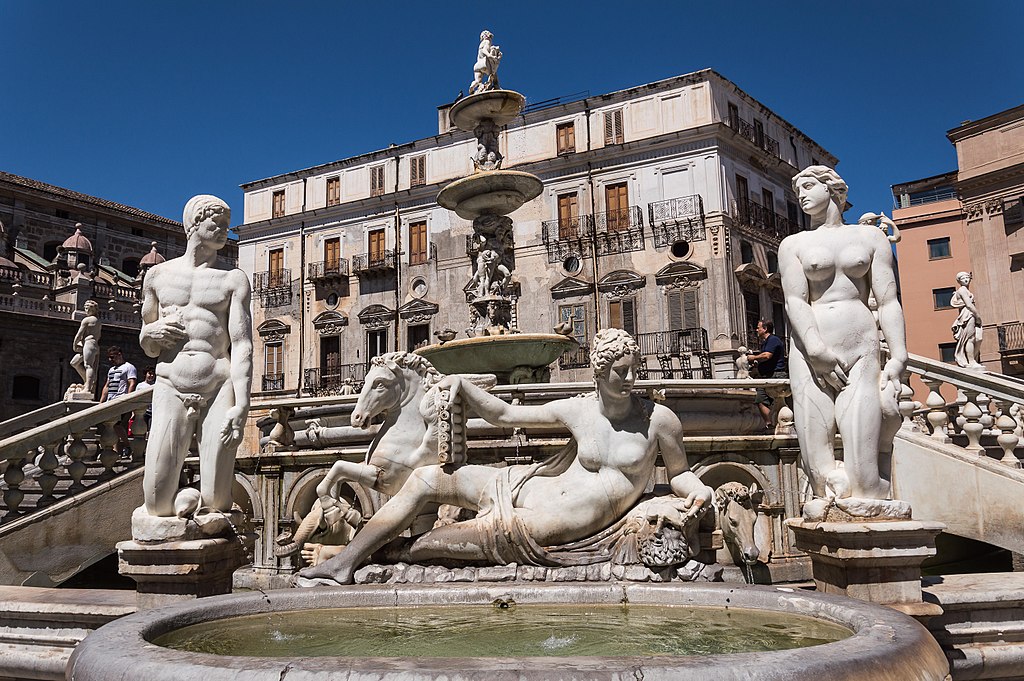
pixel 416 432
pixel 736 517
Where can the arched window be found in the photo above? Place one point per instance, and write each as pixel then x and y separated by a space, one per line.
pixel 25 388
pixel 130 266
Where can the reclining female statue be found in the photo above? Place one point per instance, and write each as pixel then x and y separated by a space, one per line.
pixel 586 488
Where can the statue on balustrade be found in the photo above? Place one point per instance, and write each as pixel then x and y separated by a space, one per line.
pixel 196 322
pixel 967 325
pixel 839 377
pixel 87 348
pixel 521 516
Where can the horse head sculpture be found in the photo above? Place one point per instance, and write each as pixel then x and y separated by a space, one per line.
pixel 736 519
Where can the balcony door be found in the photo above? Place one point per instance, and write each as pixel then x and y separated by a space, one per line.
pixel 616 201
pixel 376 343
pixel 275 266
pixel 332 254
pixel 376 246
pixel 330 357
pixel 568 215
pixel 768 201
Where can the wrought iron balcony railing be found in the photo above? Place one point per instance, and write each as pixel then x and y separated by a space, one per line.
pixel 576 227
pixel 769 222
pixel 273 382
pixel 684 353
pixel 620 220
pixel 327 269
pixel 619 231
pixel 273 287
pixel 376 261
pixel 678 219
pixel 1011 337
pixel 756 135
pixel 336 379
pixel 575 359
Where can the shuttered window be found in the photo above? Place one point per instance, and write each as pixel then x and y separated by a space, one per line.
pixel 613 127
pixel 616 201
pixel 376 180
pixel 417 171
pixel 376 246
pixel 278 204
pixel 622 315
pixel 333 191
pixel 568 215
pixel 332 254
pixel 417 242
pixel 275 264
pixel 683 310
pixel 566 137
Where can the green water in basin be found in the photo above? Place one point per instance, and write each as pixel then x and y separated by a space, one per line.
pixel 519 631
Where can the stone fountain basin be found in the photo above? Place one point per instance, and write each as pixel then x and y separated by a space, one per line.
pixel 885 643
pixel 498 355
pixel 501 106
pixel 490 192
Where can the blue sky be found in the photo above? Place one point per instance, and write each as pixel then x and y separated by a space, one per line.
pixel 150 102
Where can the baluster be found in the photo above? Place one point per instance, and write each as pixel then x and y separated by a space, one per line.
pixel 907 405
pixel 960 420
pixel 139 432
pixel 1016 416
pixel 987 419
pixel 14 476
pixel 47 479
pixel 77 450
pixel 107 453
pixel 937 414
pixel 1007 438
pixel 972 422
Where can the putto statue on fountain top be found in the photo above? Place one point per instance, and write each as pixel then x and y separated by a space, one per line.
pixel 488 57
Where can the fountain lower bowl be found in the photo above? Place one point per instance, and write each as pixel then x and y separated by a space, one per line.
pixel 884 644
pixel 514 358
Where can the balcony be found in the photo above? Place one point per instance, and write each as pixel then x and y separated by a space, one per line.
pixel 374 262
pixel 16 275
pixel 674 354
pixel 273 287
pixel 103 290
pixel 764 222
pixel 755 135
pixel 575 359
pixel 1011 337
pixel 619 231
pixel 273 382
pixel 337 379
pixel 678 219
pixel 326 270
pixel 567 236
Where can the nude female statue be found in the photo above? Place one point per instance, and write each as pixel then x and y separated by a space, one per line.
pixel 196 321
pixel 87 346
pixel 967 325
pixel 836 374
pixel 617 439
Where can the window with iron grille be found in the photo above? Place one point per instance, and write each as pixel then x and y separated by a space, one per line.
pixel 278 204
pixel 622 315
pixel 418 248
pixel 417 171
pixel 376 180
pixel 333 191
pixel 565 134
pixel 613 127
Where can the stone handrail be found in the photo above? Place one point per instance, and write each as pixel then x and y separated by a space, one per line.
pixel 36 459
pixel 39 416
pixel 986 404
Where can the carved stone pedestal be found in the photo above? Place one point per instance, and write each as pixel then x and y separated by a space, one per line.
pixel 878 562
pixel 169 572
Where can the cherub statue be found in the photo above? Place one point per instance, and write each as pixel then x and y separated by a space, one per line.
pixel 488 57
pixel 491 277
pixel 742 363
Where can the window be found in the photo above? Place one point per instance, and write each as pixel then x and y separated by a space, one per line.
pixel 746 252
pixel 278 204
pixel 622 315
pixel 773 262
pixel 779 317
pixel 275 265
pixel 943 297
pixel 376 243
pixel 25 388
pixel 793 213
pixel 565 134
pixel 419 335
pixel 376 180
pixel 939 248
pixel 742 197
pixel 683 310
pixel 752 310
pixel 734 116
pixel 768 201
pixel 130 266
pixel 616 201
pixel 417 171
pixel 577 316
pixel 330 355
pixel 613 127
pixel 333 191
pixel 332 254
pixel 947 352
pixel 50 251
pixel 376 343
pixel 758 133
pixel 62 214
pixel 568 215
pixel 418 242
pixel 273 359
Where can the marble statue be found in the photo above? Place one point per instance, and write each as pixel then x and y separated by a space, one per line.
pixel 736 517
pixel 838 378
pixel 196 322
pixel 488 153
pixel 488 56
pixel 87 348
pixel 491 276
pixel 967 325
pixel 742 363
pixel 521 509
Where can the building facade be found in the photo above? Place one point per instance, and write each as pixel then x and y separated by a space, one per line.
pixel 60 248
pixel 662 211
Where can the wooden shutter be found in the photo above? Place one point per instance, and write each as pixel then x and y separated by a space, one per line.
pixel 278 204
pixel 376 245
pixel 691 309
pixel 768 201
pixel 272 359
pixel 616 198
pixel 417 171
pixel 377 181
pixel 332 254
pixel 333 191
pixel 566 138
pixel 568 215
pixel 629 316
pixel 276 267
pixel 675 311
pixel 734 116
pixel 417 242
pixel 613 127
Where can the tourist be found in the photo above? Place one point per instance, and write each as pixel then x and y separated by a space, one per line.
pixel 771 363
pixel 121 380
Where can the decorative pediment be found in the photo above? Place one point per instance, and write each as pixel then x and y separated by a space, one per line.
pixel 330 323
pixel 273 330
pixel 571 287
pixel 418 311
pixel 621 283
pixel 377 316
pixel 680 275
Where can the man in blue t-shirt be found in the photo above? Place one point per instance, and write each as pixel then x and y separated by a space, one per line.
pixel 771 363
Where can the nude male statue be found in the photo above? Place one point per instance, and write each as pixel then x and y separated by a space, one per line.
pixel 87 346
pixel 196 322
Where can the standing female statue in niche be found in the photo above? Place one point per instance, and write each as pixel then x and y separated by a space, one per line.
pixel 836 371
pixel 967 325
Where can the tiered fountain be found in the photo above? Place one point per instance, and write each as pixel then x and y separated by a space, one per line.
pixel 494 345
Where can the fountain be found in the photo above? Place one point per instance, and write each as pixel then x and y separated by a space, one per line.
pixel 486 198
